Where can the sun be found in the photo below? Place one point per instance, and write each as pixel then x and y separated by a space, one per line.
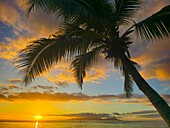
pixel 38 117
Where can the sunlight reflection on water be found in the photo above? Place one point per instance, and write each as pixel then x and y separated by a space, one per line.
pixel 82 124
pixel 36 124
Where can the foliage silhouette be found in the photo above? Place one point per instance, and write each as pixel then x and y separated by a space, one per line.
pixel 91 32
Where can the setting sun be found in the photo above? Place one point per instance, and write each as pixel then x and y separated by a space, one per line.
pixel 38 117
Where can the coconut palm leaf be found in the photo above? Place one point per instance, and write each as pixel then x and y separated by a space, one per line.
pixel 52 6
pixel 98 19
pixel 128 83
pixel 71 10
pixel 155 26
pixel 91 29
pixel 39 56
pixel 125 9
pixel 84 31
pixel 84 62
pixel 76 11
pixel 117 63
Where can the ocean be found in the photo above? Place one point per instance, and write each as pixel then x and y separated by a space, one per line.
pixel 81 124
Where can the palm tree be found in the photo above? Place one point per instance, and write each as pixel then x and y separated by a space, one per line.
pixel 91 31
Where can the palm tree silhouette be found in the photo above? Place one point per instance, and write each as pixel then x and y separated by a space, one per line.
pixel 91 31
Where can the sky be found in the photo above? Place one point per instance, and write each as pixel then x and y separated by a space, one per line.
pixel 55 95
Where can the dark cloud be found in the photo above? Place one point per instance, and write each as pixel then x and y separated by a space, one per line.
pixel 2 97
pixel 116 114
pixel 150 116
pixel 32 96
pixel 7 88
pixel 5 93
pixel 44 87
pixel 50 95
pixel 62 83
pixel 3 89
pixel 143 112
pixel 88 116
pixel 107 116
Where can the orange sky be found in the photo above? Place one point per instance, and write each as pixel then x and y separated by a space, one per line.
pixel 55 95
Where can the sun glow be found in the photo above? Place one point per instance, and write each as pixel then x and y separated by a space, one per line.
pixel 38 117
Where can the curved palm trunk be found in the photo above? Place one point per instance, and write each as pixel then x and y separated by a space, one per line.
pixel 157 101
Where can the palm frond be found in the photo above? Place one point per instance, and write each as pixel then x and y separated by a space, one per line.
pixel 67 8
pixel 117 63
pixel 39 56
pixel 38 5
pixel 84 31
pixel 128 83
pixel 98 18
pixel 125 9
pixel 155 26
pixel 83 62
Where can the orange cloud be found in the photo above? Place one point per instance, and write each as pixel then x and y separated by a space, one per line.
pixel 75 97
pixel 149 7
pixel 41 25
pixel 36 26
pixel 15 80
pixel 10 50
pixel 154 60
pixel 60 97
pixel 61 73
pixel 8 13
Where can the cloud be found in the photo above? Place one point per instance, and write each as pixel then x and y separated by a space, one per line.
pixel 61 83
pixel 135 99
pixel 141 99
pixel 22 29
pixel 86 116
pixel 15 80
pixel 12 86
pixel 150 116
pixel 91 116
pixel 66 77
pixel 2 96
pixel 153 57
pixel 149 7
pixel 44 87
pixel 62 97
pixel 143 112
pixel 139 115
pixel 8 89
pixel 9 50
pixel 63 76
pixel 42 25
pixel 9 13
pixel 3 88
pixel 154 60
pixel 48 94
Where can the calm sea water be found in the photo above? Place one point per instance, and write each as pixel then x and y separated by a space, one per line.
pixel 79 124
